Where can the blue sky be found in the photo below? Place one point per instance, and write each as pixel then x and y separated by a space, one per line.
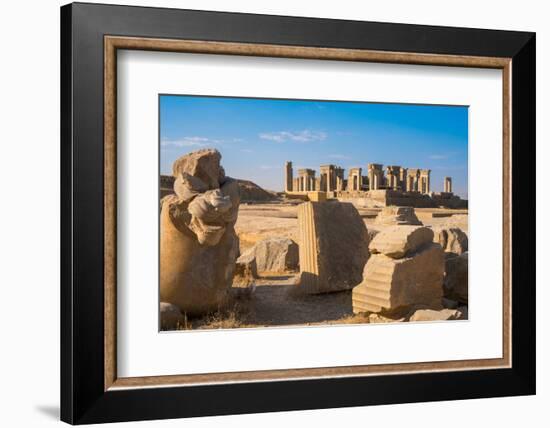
pixel 257 136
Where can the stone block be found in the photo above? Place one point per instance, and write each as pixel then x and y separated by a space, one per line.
pixel 456 278
pixel 433 315
pixel 274 255
pixel 392 284
pixel 453 239
pixel 333 246
pixel 397 216
pixel 246 271
pixel 170 316
pixel 397 241
pixel 317 196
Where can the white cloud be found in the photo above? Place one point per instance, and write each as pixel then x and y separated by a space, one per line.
pixel 440 156
pixel 190 142
pixel 304 136
pixel 266 167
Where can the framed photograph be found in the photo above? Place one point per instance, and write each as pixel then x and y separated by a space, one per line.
pixel 267 213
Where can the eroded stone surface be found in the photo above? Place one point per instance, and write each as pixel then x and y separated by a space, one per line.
pixel 333 246
pixel 170 316
pixel 275 255
pixel 456 278
pixel 380 319
pixel 433 315
pixel 392 284
pixel 198 244
pixel 203 165
pixel 453 240
pixel 397 241
pixel 397 216
pixel 246 271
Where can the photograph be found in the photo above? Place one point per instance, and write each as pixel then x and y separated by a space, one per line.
pixel 296 212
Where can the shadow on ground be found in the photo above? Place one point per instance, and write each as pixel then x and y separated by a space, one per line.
pixel 50 411
pixel 273 303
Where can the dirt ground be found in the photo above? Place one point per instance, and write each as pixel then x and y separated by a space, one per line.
pixel 260 221
pixel 273 303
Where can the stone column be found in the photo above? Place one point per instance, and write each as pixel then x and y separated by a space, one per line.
pixel 333 247
pixel 447 185
pixel 425 180
pixel 288 176
pixel 428 187
pixel 371 179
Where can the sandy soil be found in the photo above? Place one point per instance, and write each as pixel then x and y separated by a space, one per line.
pixel 274 303
pixel 260 221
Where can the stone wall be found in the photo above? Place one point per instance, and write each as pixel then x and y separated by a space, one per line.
pixel 407 199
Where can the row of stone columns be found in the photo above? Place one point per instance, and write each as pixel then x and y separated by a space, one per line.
pixel 332 179
pixel 376 176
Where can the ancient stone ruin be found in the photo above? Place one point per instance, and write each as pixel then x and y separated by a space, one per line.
pixel 453 240
pixel 405 269
pixel 455 244
pixel 274 255
pixel 397 271
pixel 170 316
pixel 396 186
pixel 246 271
pixel 397 216
pixel 198 244
pixel 333 246
pixel 455 286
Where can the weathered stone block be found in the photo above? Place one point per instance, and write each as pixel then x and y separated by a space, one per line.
pixel 456 278
pixel 333 246
pixel 317 196
pixel 170 316
pixel 203 165
pixel 397 216
pixel 391 284
pixel 246 271
pixel 275 255
pixel 397 241
pixel 433 315
pixel 453 240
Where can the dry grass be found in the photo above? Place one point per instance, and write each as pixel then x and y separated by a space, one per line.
pixel 235 316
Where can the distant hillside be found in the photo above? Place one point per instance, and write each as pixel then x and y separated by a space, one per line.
pixel 250 191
